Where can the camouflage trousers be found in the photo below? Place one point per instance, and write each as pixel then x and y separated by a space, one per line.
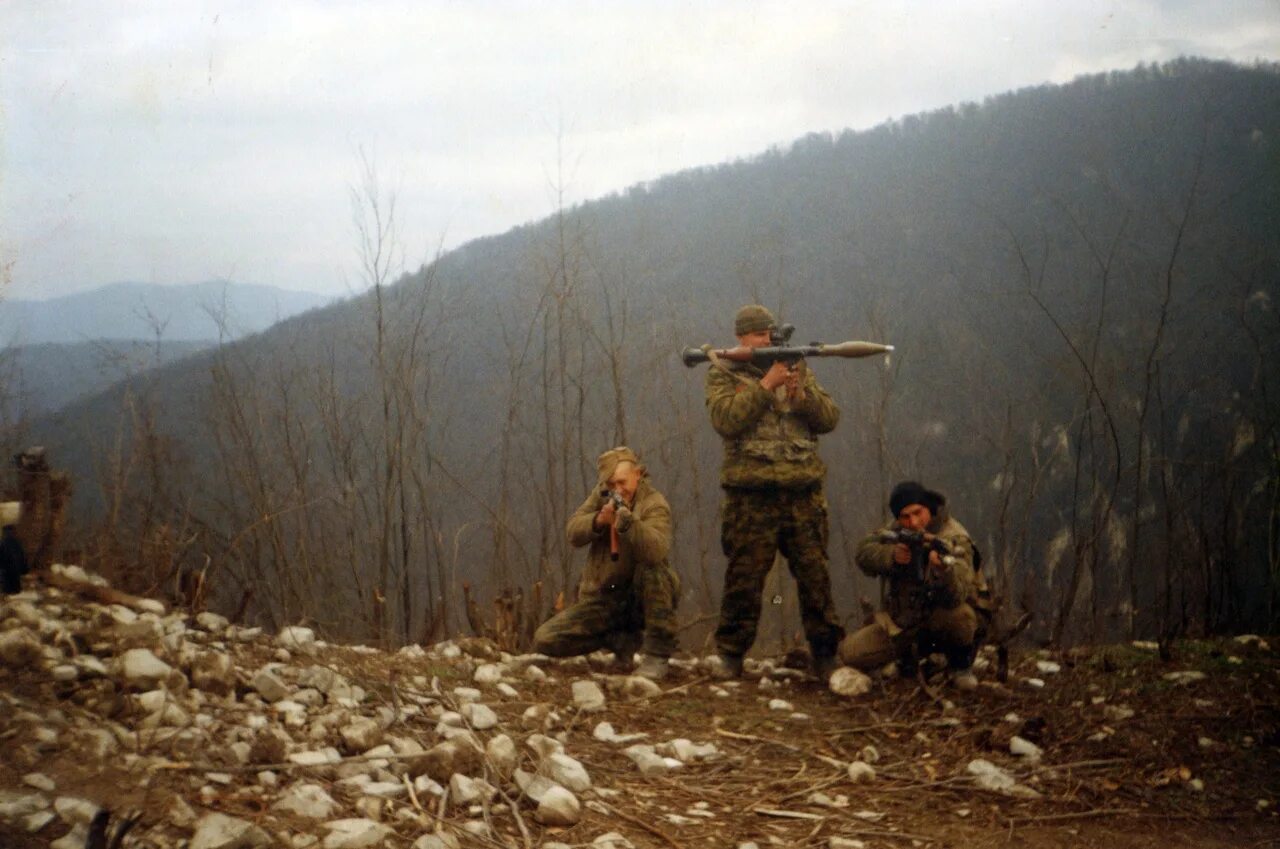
pixel 756 525
pixel 622 618
pixel 952 631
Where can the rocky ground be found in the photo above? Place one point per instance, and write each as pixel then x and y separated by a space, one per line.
pixel 207 735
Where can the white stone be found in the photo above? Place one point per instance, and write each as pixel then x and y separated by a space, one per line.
pixel 434 841
pixel 355 833
pixel 297 638
pixel 1034 683
pixel 142 669
pixel 860 772
pixel 318 757
pixel 37 821
pixel 269 685
pixel 1185 677
pixel 72 810
pixel 64 673
pixel 385 789
pixel 507 690
pixel 612 840
pixel 14 805
pixel 212 622
pixel 637 687
pixel 845 843
pixel 426 785
pixel 39 781
pixel 991 777
pixel 604 733
pixel 487 674
pixel 214 672
pixel 91 666
pixel 588 696
pixel 849 682
pixel 780 704
pixel 306 800
pixel 648 761
pixel 1024 748
pixel 464 790
pixel 219 831
pixel 566 771
pixel 544 746
pixel 19 647
pixel 481 717
pixel 361 734
pixel 1118 713
pixel 1253 640
pixel 466 695
pixel 533 786
pixel 558 807
pixel 534 673
pixel 1047 667
pixel 502 754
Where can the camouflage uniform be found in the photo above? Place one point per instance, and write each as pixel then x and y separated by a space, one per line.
pixel 622 604
pixel 942 615
pixel 772 479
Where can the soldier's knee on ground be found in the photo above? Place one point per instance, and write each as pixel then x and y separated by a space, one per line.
pixel 867 648
pixel 957 625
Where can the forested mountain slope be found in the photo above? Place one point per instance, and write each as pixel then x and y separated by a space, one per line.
pixel 1080 281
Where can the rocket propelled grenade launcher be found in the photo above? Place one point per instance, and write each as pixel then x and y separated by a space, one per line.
pixel 780 350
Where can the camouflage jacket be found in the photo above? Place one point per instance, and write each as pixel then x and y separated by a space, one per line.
pixel 909 597
pixel 768 444
pixel 644 543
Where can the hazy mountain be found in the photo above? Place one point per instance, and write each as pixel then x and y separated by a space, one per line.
pixel 182 313
pixel 44 378
pixel 1080 280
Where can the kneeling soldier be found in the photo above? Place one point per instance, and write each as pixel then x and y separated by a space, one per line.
pixel 628 590
pixel 934 589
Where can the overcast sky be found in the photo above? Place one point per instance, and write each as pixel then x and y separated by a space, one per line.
pixel 175 142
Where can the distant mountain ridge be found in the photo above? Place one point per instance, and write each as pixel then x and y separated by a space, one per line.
pixel 129 310
pixel 45 377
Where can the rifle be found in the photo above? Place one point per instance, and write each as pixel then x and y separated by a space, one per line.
pixel 607 495
pixel 780 349
pixel 921 546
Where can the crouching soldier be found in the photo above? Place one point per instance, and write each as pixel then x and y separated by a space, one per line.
pixel 628 592
pixel 935 589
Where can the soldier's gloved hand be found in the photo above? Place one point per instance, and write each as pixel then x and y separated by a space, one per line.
pixel 623 521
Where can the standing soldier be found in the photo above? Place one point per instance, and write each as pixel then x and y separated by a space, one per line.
pixel 628 590
pixel 772 479
pixel 937 598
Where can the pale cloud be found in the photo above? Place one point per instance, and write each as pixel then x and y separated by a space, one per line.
pixel 187 140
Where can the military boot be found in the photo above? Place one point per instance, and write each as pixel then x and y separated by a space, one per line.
pixel 823 666
pixel 624 645
pixel 653 667
pixel 725 666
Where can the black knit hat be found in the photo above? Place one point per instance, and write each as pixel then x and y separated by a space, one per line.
pixel 911 492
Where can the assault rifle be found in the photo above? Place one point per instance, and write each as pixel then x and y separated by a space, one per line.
pixel 606 496
pixel 780 349
pixel 920 545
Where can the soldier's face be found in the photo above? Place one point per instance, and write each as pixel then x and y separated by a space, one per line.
pixel 624 480
pixel 915 517
pixel 755 339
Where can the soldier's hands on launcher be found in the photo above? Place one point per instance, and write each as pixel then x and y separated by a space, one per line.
pixel 783 374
